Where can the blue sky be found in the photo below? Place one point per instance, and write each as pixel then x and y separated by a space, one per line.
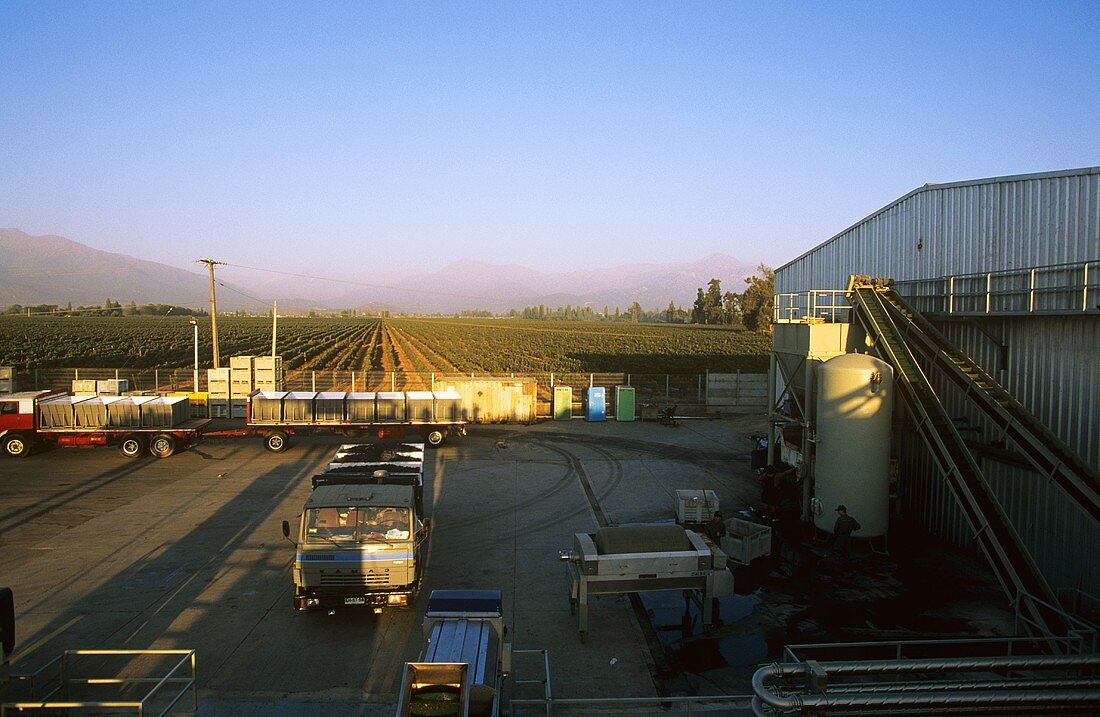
pixel 350 137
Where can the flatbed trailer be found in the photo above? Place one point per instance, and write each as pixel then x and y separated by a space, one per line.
pixel 21 431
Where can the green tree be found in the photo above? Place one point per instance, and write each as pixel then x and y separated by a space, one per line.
pixel 731 308
pixel 757 300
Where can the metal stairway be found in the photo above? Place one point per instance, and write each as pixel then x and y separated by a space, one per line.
pixel 1046 453
pixel 1008 557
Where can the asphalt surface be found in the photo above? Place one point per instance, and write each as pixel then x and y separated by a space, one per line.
pixel 187 553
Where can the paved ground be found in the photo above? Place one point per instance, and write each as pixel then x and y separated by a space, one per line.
pixel 187 553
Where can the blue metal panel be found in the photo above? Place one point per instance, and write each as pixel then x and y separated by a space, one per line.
pixel 480 602
pixel 595 404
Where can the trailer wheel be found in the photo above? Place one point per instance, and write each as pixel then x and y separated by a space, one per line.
pixel 276 442
pixel 162 445
pixel 131 446
pixel 17 446
pixel 435 437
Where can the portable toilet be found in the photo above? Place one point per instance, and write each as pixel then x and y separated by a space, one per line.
pixel 624 403
pixel 562 406
pixel 595 404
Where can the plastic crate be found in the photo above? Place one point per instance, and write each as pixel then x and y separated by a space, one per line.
pixel 746 541
pixel 695 506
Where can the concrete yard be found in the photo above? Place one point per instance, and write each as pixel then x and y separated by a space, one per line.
pixel 188 553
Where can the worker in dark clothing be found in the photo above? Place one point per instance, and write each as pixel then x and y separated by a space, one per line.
pixel 842 532
pixel 715 529
pixel 772 483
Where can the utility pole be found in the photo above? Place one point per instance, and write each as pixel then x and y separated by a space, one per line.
pixel 213 308
pixel 274 327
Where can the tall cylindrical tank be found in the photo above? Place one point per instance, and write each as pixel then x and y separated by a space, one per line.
pixel 855 396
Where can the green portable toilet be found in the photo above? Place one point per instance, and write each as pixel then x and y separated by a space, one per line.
pixel 562 406
pixel 624 403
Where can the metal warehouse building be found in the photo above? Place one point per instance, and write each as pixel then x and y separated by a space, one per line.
pixel 1008 270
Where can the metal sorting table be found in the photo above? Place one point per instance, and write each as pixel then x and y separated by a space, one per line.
pixel 644 559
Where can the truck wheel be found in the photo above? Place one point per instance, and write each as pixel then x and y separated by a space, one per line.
pixel 162 445
pixel 17 446
pixel 276 442
pixel 131 446
pixel 435 437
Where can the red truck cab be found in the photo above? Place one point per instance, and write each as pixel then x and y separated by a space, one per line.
pixel 17 421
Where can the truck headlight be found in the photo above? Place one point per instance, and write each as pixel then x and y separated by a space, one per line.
pixel 397 599
pixel 313 602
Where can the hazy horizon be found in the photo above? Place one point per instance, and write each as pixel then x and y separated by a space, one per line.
pixel 549 135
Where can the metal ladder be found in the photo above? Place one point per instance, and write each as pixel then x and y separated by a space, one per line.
pixel 1009 559
pixel 1046 453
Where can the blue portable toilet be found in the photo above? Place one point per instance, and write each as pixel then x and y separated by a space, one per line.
pixel 595 404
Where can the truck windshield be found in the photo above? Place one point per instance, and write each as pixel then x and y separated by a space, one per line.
pixel 357 524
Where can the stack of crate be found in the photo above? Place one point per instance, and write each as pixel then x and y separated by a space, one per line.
pixel 267 373
pixel 112 386
pixel 241 385
pixel 84 387
pixel 7 379
pixel 218 389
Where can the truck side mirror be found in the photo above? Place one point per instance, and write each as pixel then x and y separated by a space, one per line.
pixel 286 529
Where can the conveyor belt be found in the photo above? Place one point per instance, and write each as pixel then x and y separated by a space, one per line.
pixel 1049 455
pixel 1007 555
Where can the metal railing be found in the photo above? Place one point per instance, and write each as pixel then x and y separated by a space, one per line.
pixel 824 305
pixel 63 685
pixel 1070 288
pixel 548 705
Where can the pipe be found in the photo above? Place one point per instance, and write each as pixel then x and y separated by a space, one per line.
pixel 947 694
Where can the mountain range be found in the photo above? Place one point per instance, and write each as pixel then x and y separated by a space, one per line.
pixel 56 270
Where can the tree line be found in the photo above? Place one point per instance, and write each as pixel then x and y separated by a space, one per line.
pixel 110 307
pixel 752 307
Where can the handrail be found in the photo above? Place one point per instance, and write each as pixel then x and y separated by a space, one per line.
pixel 1070 287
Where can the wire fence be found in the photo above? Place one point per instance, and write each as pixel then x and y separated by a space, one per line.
pixel 688 392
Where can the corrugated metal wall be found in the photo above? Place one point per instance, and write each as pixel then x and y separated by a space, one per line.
pixel 962 228
pixel 1051 364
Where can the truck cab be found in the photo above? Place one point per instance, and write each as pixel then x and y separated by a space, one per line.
pixel 358 545
pixel 17 421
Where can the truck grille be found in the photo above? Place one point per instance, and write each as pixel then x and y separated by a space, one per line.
pixel 377 577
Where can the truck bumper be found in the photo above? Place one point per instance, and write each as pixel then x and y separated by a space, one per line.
pixel 351 598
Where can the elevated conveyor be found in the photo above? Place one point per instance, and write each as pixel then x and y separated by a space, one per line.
pixel 1046 453
pixel 1008 557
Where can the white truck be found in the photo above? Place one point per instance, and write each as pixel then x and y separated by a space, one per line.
pixel 360 540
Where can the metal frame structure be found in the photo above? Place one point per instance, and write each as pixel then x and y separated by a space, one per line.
pixel 66 682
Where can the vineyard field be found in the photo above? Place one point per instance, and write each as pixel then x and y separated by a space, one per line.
pixel 405 344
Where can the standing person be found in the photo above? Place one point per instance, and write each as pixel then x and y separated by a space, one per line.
pixel 842 532
pixel 716 528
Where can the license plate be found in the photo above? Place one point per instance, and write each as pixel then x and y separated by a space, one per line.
pixel 355 601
